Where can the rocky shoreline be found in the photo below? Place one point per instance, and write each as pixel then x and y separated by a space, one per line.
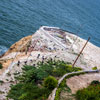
pixel 56 40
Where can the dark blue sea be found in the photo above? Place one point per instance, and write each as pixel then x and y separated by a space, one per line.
pixel 19 18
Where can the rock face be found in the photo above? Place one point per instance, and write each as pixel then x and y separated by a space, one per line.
pixel 49 42
pixel 53 40
pixel 19 46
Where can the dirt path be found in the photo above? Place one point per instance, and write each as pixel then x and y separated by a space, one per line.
pixel 78 82
pixel 91 72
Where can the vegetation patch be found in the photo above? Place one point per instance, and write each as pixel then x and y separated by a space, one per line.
pixel 1 82
pixel 92 92
pixel 1 66
pixel 37 82
pixel 94 68
pixel 50 82
pixel 1 92
pixel 62 87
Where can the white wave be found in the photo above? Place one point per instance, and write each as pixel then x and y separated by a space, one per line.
pixel 3 49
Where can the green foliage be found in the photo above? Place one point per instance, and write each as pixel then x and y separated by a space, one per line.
pixel 75 74
pixel 8 74
pixel 63 68
pixel 50 82
pixel 16 91
pixel 36 83
pixel 75 69
pixel 1 82
pixel 92 92
pixel 57 97
pixel 95 82
pixel 27 91
pixel 32 91
pixel 32 74
pixel 62 87
pixel 94 68
pixel 1 66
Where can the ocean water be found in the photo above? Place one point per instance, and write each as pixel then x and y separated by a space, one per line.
pixel 19 18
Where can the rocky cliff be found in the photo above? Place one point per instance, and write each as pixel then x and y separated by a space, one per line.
pixel 47 42
pixel 57 42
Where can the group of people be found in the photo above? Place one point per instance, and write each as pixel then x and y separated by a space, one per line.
pixel 38 56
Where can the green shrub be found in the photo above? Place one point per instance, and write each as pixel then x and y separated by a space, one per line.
pixel 63 68
pixel 61 87
pixel 77 69
pixel 15 92
pixel 95 82
pixel 94 68
pixel 33 92
pixel 27 91
pixel 50 82
pixel 1 66
pixel 1 82
pixel 57 97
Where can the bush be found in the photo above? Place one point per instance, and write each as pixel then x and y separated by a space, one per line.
pixel 27 91
pixel 94 68
pixel 63 68
pixel 33 92
pixel 50 82
pixel 1 66
pixel 57 97
pixel 1 82
pixel 95 82
pixel 15 92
